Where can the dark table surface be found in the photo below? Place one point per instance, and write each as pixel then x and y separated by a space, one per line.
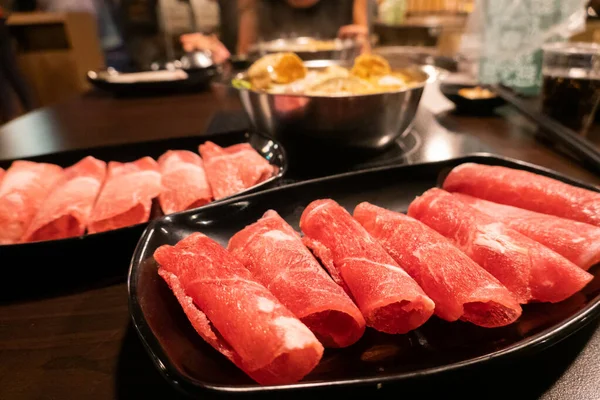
pixel 81 344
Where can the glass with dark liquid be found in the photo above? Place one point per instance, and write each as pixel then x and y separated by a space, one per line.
pixel 571 84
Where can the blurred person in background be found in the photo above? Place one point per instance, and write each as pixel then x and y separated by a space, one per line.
pixel 269 20
pixel 222 46
pixel 199 41
pixel 253 20
pixel 10 77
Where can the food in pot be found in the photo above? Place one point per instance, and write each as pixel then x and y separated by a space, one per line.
pixel 285 73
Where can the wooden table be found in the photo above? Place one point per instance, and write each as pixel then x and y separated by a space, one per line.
pixel 82 346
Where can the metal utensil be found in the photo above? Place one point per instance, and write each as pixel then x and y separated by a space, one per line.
pixel 369 121
pixel 196 60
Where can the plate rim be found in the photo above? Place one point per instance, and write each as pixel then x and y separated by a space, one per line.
pixel 535 343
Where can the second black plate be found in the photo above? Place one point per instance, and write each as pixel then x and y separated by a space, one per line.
pixel 438 346
pixel 40 267
pixel 197 80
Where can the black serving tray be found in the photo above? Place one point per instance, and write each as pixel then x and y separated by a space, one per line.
pixel 40 267
pixel 437 347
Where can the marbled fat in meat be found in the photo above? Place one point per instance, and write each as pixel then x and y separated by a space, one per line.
pixel 66 210
pixel 576 241
pixel 390 300
pixel 126 197
pixel 184 183
pixel 531 271
pixel 23 190
pixel 236 314
pixel 525 190
pixel 460 288
pixel 233 169
pixel 276 256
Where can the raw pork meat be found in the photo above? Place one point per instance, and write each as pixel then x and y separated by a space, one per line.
pixel 576 241
pixel 390 300
pixel 184 184
pixel 126 198
pixel 460 288
pixel 233 169
pixel 275 255
pixel 235 314
pixel 66 210
pixel 531 271
pixel 22 191
pixel 525 190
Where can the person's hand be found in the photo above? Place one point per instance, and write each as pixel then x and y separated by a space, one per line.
pixel 359 33
pixel 198 41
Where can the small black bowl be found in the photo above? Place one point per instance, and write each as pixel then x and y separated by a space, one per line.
pixel 241 63
pixel 464 105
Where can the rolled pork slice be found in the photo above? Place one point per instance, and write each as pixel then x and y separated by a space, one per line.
pixel 530 270
pixel 23 190
pixel 525 190
pixel 126 197
pixel 275 255
pixel 235 314
pixel 389 299
pixel 66 210
pixel 184 183
pixel 233 169
pixel 460 288
pixel 577 241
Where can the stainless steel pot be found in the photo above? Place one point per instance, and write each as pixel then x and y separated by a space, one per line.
pixel 369 121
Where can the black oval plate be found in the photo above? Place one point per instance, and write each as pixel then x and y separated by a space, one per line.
pixel 197 80
pixel 40 267
pixel 438 346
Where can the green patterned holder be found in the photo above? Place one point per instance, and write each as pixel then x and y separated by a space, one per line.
pixel 513 34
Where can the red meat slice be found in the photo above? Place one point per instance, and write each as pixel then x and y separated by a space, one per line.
pixel 66 210
pixel 23 190
pixel 235 314
pixel 233 169
pixel 525 190
pixel 126 198
pixel 576 241
pixel 531 271
pixel 2 172
pixel 184 184
pixel 460 288
pixel 389 299
pixel 275 255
